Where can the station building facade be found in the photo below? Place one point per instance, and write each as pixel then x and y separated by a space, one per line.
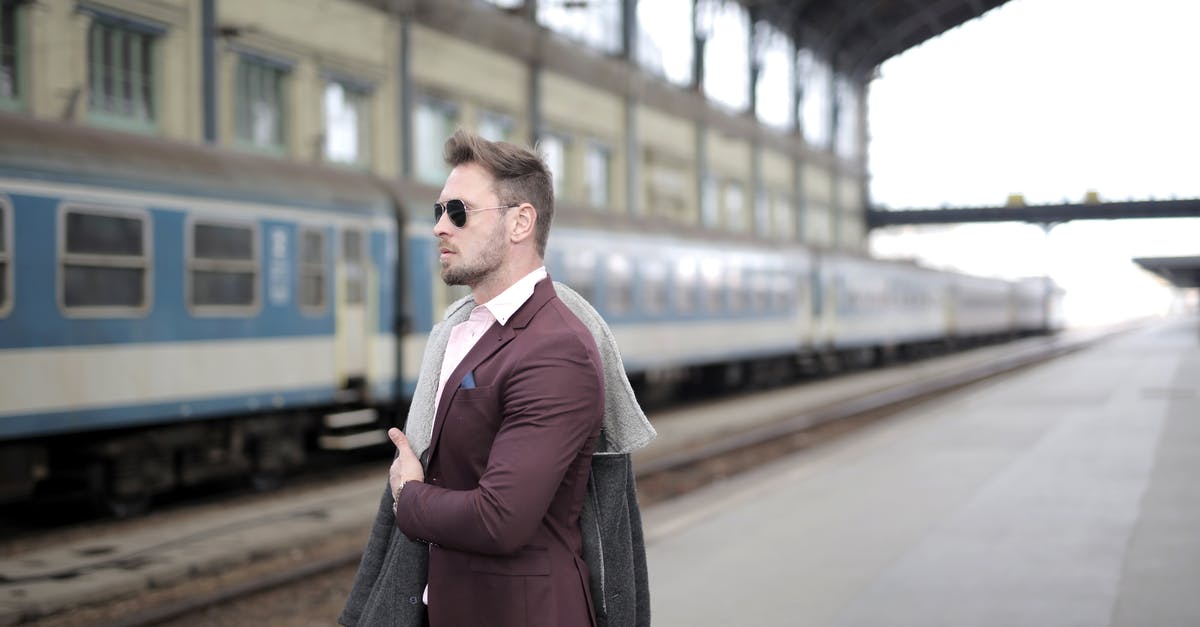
pixel 750 135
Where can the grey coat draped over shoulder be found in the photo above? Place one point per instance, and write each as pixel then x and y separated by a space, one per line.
pixel 391 577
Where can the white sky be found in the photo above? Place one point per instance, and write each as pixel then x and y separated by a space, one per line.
pixel 1049 99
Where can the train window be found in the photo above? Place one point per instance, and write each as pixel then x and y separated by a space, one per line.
pixel 347 122
pixel 710 279
pixel 736 284
pixel 121 72
pixel 260 105
pixel 597 163
pixel 352 258
pixel 313 269
pixel 654 287
pixel 5 264
pixel 685 285
pixel 105 261
pixel 223 267
pixel 760 290
pixel 433 121
pixel 619 285
pixel 580 266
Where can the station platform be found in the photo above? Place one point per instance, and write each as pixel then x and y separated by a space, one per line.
pixel 1060 495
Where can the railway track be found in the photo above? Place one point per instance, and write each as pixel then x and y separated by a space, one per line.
pixel 323 568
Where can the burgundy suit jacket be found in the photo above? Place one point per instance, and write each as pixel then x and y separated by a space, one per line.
pixel 507 473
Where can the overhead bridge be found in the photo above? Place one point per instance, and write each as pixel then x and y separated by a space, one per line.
pixel 1039 214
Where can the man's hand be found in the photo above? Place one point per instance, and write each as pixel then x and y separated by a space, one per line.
pixel 406 466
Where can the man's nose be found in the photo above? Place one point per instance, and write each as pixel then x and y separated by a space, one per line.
pixel 442 225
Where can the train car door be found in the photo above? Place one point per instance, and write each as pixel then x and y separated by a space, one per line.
pixel 352 333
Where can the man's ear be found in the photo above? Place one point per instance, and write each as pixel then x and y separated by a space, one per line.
pixel 523 226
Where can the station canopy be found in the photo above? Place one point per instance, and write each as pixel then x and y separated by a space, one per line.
pixel 866 33
pixel 1180 271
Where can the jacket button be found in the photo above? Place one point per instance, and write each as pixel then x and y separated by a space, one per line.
pixel 412 600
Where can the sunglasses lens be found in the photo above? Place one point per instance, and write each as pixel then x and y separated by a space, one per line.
pixel 456 209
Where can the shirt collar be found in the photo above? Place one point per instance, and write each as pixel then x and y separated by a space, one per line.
pixel 506 303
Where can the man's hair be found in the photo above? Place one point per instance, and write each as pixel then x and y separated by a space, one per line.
pixel 521 175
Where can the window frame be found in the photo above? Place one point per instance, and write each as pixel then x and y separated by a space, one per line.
pixel 619 290
pixel 222 265
pixel 356 269
pixel 143 32
pixel 560 178
pixel 305 268
pixel 497 119
pixel 362 92
pixel 7 255
pixel 16 102
pixel 451 112
pixel 242 120
pixel 597 151
pixel 64 258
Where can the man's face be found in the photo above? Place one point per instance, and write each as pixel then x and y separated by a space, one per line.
pixel 471 253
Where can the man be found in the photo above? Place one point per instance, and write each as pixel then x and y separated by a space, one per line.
pixel 517 413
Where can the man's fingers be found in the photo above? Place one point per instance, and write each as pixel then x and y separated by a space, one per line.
pixel 398 439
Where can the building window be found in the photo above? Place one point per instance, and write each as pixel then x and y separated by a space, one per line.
pixel 762 211
pixel 354 268
pixel 814 75
pixel 776 77
pixel 435 121
pixel 735 206
pixel 784 222
pixel 260 103
pixel 347 123
pixel 708 201
pixel 223 267
pixel 554 148
pixel 5 259
pixel 496 127
pixel 105 262
pixel 597 164
pixel 665 45
pixel 596 24
pixel 10 49
pixel 313 269
pixel 725 26
pixel 121 73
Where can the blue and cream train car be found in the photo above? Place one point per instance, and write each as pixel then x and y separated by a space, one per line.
pixel 172 313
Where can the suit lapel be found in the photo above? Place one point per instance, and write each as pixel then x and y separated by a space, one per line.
pixel 495 338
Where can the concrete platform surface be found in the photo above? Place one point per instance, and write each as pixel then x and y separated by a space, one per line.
pixel 1063 495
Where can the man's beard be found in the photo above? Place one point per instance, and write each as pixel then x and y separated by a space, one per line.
pixel 488 261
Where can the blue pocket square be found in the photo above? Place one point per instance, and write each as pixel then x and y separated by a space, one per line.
pixel 468 382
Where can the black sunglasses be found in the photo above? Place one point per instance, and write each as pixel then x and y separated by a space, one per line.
pixel 457 210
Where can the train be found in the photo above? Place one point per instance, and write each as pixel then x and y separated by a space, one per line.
pixel 172 313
